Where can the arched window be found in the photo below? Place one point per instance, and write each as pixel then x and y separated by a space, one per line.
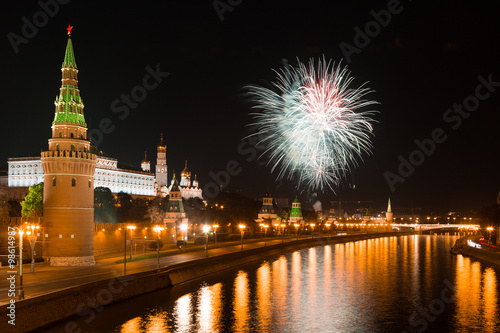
pixel 57 146
pixel 54 181
pixel 60 134
pixel 72 135
pixel 73 182
pixel 72 147
pixel 90 183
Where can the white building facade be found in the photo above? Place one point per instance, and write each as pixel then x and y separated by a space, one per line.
pixel 27 171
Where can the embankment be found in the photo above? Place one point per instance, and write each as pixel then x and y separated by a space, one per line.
pixel 90 298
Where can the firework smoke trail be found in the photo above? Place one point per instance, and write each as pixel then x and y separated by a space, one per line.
pixel 312 123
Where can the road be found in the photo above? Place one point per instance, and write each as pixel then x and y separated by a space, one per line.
pixel 48 279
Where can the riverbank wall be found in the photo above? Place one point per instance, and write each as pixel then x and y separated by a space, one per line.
pixel 87 300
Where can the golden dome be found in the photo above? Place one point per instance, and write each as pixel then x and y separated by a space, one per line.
pixel 186 172
pixel 161 144
pixel 145 160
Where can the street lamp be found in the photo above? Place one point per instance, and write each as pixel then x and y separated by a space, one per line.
pixel 312 226
pixel 158 231
pixel 297 230
pixel 265 226
pixel 283 233
pixel 131 228
pixel 242 230
pixel 32 239
pixel 328 226
pixel 490 229
pixel 21 288
pixel 215 226
pixel 206 229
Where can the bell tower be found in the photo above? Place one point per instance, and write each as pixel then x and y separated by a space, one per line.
pixel 68 167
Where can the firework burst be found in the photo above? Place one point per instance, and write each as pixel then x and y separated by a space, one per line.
pixel 313 123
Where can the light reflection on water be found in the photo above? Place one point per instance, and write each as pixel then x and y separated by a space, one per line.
pixel 372 285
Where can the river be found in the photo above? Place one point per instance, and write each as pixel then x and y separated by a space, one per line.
pixel 392 284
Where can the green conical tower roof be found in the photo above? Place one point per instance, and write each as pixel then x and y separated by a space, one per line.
pixel 296 210
pixel 389 209
pixel 69 56
pixel 69 104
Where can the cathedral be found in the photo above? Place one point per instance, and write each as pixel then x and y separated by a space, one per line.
pixel 187 188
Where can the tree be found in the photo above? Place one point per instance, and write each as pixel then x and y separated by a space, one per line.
pixel 4 203
pixel 156 214
pixel 103 205
pixel 32 206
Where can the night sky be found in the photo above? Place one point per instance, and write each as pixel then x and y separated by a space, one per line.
pixel 427 58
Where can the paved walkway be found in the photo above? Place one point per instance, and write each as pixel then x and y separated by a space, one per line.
pixel 48 279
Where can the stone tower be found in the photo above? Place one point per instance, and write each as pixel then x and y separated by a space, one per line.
pixel 68 167
pixel 267 211
pixel 388 214
pixel 161 165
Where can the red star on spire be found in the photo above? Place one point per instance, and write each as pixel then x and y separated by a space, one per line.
pixel 69 29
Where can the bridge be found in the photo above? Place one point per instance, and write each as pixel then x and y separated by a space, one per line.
pixel 427 227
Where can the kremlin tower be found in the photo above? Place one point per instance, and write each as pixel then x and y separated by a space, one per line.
pixel 68 172
pixel 388 214
pixel 296 212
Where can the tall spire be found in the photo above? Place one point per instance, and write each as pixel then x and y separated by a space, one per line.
pixel 69 57
pixel 389 210
pixel 69 105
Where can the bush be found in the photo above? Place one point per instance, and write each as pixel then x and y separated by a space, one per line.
pixel 152 245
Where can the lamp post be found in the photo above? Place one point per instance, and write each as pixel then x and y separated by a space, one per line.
pixel 206 229
pixel 158 230
pixel 242 230
pixel 184 228
pixel 283 233
pixel 490 229
pixel 328 228
pixel 265 226
pixel 215 226
pixel 297 230
pixel 312 231
pixel 131 228
pixel 32 239
pixel 124 252
pixel 21 288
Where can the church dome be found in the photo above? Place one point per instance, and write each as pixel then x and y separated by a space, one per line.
pixel 161 144
pixel 186 172
pixel 145 160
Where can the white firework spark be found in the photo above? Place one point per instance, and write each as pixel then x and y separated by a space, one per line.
pixel 312 124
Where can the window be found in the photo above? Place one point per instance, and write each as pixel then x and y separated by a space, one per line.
pixel 72 147
pixel 57 146
pixel 60 134
pixel 54 181
pixel 73 182
pixel 72 135
pixel 90 183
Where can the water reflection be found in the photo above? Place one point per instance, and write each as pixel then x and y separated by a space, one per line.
pixel 209 308
pixel 367 286
pixel 476 297
pixel 240 302
pixel 183 314
pixel 132 326
pixel 264 297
